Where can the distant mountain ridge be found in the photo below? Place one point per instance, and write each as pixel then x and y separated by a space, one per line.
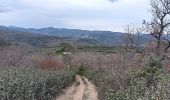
pixel 96 37
pixel 75 36
pixel 14 36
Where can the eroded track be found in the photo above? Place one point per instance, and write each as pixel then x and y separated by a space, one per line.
pixel 82 89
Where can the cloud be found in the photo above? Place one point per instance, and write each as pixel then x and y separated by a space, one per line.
pixel 114 0
pixel 4 8
pixel 84 14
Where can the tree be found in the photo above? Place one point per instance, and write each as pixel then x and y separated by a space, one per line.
pixel 14 54
pixel 160 22
pixel 138 31
pixel 129 37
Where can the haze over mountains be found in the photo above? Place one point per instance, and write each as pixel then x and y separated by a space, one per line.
pixel 52 36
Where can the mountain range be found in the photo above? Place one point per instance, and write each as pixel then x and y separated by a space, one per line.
pixel 50 35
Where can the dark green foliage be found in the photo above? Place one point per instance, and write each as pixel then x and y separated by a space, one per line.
pixel 81 70
pixel 107 49
pixel 60 51
pixel 26 84
pixel 152 71
pixel 149 83
pixel 64 47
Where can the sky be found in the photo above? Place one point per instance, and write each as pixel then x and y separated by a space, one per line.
pixel 74 14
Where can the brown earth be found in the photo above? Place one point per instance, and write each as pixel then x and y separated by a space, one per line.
pixel 82 89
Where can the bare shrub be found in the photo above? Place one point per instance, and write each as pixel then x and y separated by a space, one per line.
pixel 116 61
pixel 50 63
pixel 12 55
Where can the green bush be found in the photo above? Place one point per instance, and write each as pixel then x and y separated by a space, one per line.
pixel 149 83
pixel 102 79
pixel 31 84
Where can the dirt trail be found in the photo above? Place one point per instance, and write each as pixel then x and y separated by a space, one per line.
pixel 82 89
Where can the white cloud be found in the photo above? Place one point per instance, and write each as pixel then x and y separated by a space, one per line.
pixel 84 14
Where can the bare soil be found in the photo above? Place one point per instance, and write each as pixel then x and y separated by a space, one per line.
pixel 82 89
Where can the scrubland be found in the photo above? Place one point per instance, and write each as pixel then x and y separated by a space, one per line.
pixel 43 74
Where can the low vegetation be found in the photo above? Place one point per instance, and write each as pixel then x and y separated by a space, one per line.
pixel 102 78
pixel 122 66
pixel 148 83
pixel 105 49
pixel 33 84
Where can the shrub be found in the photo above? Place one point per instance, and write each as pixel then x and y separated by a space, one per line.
pixel 149 83
pixel 50 63
pixel 31 84
pixel 102 79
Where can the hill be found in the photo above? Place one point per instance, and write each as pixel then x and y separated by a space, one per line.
pixel 52 36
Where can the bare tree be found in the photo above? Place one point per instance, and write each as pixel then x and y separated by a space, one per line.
pixel 128 37
pixel 138 32
pixel 14 54
pixel 160 22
